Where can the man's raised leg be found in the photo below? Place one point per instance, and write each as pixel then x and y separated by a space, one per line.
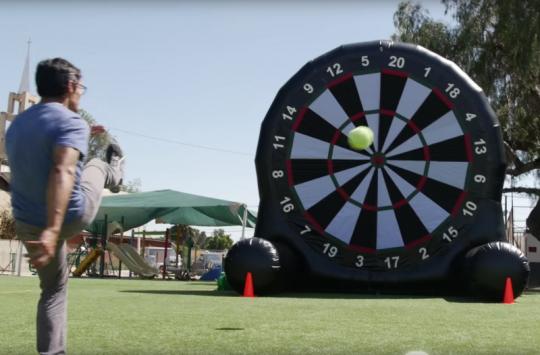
pixel 97 175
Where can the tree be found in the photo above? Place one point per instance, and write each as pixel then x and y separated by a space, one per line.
pixel 7 225
pixel 98 143
pixel 199 240
pixel 497 42
pixel 219 240
pixel 182 232
pixel 97 146
pixel 132 186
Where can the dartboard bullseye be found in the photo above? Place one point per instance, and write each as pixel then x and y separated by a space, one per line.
pixel 406 202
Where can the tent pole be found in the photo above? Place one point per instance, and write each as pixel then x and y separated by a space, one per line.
pixel 103 246
pixel 138 245
pixel 19 257
pixel 143 248
pixel 165 256
pixel 121 242
pixel 177 249
pixel 244 222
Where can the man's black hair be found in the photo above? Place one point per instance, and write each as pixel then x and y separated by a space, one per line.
pixel 53 76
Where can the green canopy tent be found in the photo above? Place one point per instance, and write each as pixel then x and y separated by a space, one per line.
pixel 174 207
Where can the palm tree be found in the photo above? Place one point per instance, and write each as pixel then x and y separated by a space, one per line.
pixel 99 138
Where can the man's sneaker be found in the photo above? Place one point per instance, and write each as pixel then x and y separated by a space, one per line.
pixel 113 150
pixel 115 158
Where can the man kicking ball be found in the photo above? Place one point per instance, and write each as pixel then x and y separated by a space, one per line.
pixel 54 197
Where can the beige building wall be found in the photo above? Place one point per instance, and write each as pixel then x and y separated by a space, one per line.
pixel 17 103
pixel 12 260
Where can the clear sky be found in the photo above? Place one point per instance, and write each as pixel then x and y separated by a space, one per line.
pixel 167 76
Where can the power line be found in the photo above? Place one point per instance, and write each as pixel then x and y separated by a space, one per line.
pixel 166 140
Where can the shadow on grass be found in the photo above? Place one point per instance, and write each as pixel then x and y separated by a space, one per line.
pixel 212 293
pixel 466 299
pixel 326 295
pixel 350 296
pixel 297 295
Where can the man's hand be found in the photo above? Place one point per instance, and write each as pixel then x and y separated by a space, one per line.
pixel 42 251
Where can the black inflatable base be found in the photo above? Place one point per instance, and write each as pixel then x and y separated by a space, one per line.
pixel 257 256
pixel 486 268
pixel 276 268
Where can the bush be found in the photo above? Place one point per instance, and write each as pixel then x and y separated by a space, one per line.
pixel 7 225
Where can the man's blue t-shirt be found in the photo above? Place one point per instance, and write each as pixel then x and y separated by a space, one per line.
pixel 30 141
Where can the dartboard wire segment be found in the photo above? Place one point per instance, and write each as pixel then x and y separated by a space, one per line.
pixel 414 189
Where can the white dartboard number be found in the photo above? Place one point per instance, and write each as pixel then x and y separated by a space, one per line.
pixel 469 208
pixel 330 250
pixel 480 147
pixel 276 174
pixel 308 88
pixel 359 261
pixel 396 62
pixel 334 70
pixel 450 234
pixel 452 90
pixel 470 116
pixel 277 144
pixel 306 229
pixel 286 205
pixel 479 179
pixel 423 252
pixel 365 60
pixel 391 262
pixel 288 115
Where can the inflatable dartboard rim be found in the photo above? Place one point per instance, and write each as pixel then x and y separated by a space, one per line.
pixel 437 156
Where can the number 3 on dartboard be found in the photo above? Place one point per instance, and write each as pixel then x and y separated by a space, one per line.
pixel 359 261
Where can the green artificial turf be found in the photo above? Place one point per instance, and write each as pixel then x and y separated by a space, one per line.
pixel 170 317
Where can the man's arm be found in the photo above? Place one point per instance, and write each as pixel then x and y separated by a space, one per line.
pixel 59 189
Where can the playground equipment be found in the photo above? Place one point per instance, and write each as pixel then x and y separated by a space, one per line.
pixel 418 210
pixel 87 261
pixel 133 261
pixel 124 252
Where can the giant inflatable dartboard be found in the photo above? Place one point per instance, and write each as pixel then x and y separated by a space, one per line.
pixel 402 210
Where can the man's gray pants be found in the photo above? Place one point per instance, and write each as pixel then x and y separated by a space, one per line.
pixel 52 305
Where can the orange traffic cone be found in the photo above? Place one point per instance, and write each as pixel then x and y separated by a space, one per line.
pixel 248 288
pixel 508 292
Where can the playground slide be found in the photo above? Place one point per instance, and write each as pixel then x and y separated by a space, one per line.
pixel 86 262
pixel 113 248
pixel 136 257
pixel 131 263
